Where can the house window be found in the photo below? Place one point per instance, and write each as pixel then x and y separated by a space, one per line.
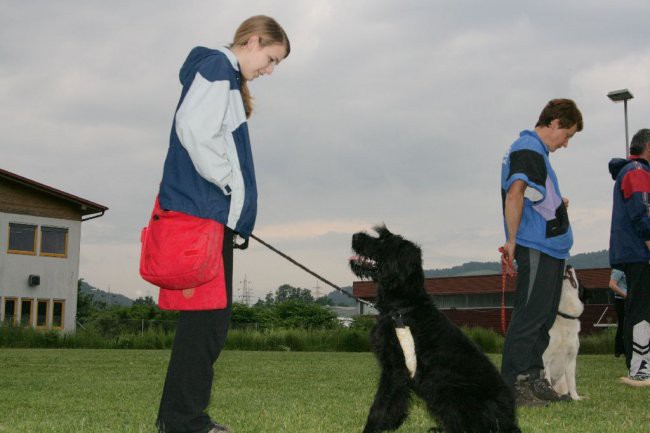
pixel 26 312
pixel 22 239
pixel 58 312
pixel 54 241
pixel 9 310
pixel 42 308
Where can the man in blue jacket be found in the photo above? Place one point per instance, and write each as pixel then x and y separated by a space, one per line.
pixel 539 237
pixel 628 251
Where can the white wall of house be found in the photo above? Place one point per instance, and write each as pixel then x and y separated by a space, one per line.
pixel 58 275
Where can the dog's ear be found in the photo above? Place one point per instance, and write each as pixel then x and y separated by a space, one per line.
pixel 570 274
pixel 382 231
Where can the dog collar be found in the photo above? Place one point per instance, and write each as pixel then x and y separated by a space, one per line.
pixel 566 316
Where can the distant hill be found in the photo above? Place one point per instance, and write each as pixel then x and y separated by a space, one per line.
pixel 339 298
pixel 597 259
pixel 110 299
pixel 469 268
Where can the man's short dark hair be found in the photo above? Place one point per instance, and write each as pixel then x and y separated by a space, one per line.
pixel 639 141
pixel 565 110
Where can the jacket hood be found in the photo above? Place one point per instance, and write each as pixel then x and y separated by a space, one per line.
pixel 189 68
pixel 616 165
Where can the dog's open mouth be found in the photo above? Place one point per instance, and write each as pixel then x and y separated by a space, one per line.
pixel 363 267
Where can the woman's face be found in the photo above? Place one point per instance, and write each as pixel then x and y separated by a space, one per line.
pixel 256 60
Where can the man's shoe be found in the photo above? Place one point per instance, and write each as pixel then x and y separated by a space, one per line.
pixel 543 390
pixel 218 428
pixel 524 396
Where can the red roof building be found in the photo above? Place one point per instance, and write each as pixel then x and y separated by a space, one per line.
pixel 476 300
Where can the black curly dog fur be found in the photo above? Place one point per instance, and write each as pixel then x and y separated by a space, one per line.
pixel 462 389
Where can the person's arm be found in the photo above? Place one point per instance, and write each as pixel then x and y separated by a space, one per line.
pixel 613 284
pixel 635 188
pixel 200 129
pixel 513 211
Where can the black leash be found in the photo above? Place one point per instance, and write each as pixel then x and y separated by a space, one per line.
pixel 304 268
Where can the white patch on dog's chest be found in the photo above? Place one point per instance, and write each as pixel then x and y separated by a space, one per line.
pixel 408 347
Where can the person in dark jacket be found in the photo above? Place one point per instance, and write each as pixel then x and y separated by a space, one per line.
pixel 628 251
pixel 209 173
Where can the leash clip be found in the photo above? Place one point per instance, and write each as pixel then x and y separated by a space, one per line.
pixel 398 319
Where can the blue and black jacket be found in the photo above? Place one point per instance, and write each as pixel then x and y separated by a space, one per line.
pixel 544 223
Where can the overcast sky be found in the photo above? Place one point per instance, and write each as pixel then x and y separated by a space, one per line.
pixel 385 111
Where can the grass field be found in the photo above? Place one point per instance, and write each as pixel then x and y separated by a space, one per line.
pixel 117 391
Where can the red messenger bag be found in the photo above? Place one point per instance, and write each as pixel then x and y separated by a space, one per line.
pixel 182 255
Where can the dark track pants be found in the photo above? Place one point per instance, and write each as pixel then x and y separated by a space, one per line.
pixel 637 317
pixel 200 336
pixel 619 342
pixel 539 286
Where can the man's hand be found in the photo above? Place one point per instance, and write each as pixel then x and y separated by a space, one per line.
pixel 508 257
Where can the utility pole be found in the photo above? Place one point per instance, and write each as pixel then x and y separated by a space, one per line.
pixel 246 291
pixel 316 291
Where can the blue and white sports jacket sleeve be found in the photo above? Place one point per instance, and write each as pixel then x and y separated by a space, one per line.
pixel 201 130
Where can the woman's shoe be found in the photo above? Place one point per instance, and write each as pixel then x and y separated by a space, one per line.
pixel 218 428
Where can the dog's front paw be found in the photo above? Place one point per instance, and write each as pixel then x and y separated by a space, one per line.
pixel 436 430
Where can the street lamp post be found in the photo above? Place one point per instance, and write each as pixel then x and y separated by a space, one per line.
pixel 617 96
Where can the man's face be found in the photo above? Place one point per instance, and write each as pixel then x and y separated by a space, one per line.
pixel 559 137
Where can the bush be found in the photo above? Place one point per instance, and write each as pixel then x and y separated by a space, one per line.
pixel 598 343
pixel 337 339
pixel 487 339
pixel 299 340
pixel 294 313
pixel 364 322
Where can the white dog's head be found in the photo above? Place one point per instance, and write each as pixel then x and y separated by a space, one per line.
pixel 570 302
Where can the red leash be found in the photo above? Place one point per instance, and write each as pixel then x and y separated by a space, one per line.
pixel 507 270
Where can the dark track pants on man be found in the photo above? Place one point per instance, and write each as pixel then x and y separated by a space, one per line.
pixel 200 336
pixel 539 286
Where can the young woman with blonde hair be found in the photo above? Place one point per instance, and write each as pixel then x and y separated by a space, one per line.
pixel 209 173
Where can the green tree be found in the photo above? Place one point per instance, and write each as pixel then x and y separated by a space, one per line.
pixel 85 306
pixel 296 313
pixel 147 300
pixel 325 300
pixel 287 292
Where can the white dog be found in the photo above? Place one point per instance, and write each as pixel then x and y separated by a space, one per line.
pixel 562 351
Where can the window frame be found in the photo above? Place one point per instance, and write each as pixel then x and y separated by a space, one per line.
pixel 65 241
pixel 54 303
pixel 4 310
pixel 31 312
pixel 37 324
pixel 23 252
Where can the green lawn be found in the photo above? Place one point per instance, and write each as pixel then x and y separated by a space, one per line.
pixel 117 391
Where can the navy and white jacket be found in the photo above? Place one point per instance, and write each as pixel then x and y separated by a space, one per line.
pixel 209 169
pixel 630 211
pixel 544 223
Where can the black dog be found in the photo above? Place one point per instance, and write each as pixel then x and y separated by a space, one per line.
pixel 462 389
